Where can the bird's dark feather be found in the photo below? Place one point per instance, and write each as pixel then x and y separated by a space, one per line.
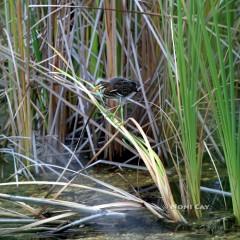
pixel 119 87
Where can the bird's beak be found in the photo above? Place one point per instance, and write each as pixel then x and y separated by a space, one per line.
pixel 97 88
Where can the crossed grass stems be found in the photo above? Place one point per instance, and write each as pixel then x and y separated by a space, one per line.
pixel 143 148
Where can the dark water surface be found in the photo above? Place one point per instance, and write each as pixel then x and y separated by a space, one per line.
pixel 137 225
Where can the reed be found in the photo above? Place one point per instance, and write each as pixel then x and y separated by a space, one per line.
pixel 19 81
pixel 186 41
pixel 222 88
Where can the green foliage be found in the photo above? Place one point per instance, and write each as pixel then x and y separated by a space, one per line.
pixel 186 40
pixel 222 92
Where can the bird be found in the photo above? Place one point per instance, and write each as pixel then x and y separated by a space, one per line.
pixel 118 88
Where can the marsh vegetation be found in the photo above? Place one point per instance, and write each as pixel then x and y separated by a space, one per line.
pixel 181 128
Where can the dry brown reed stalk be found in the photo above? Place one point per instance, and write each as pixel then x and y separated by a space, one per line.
pixel 111 63
pixel 57 109
pixel 18 81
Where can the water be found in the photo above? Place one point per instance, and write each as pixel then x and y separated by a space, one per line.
pixel 139 224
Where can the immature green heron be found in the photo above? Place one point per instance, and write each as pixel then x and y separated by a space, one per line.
pixel 114 88
pixel 117 87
